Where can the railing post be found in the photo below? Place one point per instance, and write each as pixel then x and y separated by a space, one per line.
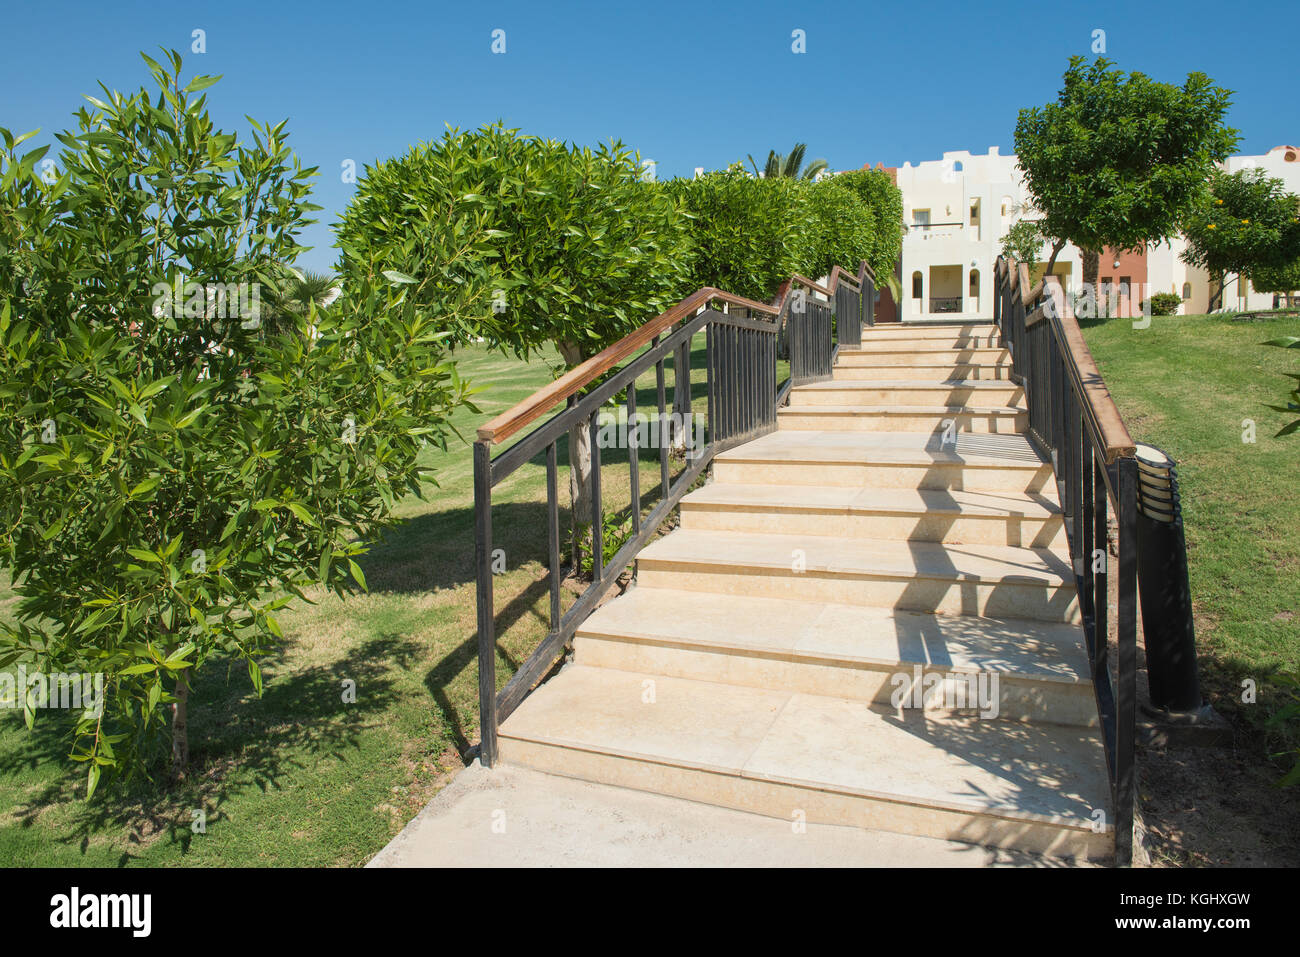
pixel 487 646
pixel 1126 693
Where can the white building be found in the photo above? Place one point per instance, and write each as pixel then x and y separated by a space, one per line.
pixel 957 210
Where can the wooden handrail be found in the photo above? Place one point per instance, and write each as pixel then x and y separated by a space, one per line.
pixel 1114 434
pixel 580 376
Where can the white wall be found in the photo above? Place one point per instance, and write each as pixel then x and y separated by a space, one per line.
pixel 948 187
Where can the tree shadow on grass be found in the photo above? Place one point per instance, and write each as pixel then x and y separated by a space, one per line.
pixel 436 551
pixel 441 675
pixel 239 743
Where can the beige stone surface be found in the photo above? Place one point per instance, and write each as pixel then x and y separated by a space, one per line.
pixel 897 531
pixel 903 418
pixel 937 372
pixel 910 354
pixel 1028 786
pixel 513 816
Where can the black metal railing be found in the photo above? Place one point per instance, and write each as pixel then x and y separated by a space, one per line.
pixel 743 340
pixel 1073 419
pixel 945 304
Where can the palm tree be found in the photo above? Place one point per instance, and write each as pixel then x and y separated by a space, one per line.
pixel 789 166
pixel 303 288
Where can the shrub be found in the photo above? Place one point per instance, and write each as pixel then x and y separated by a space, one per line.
pixel 1285 278
pixel 579 250
pixel 838 228
pixel 884 203
pixel 1165 303
pixel 746 233
pixel 176 471
pixel 1023 242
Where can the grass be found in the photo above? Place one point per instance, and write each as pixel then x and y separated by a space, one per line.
pixel 1198 387
pixel 298 777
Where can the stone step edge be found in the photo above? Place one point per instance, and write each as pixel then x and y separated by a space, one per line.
pixel 861 662
pixel 995 810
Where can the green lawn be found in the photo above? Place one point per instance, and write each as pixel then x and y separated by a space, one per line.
pixel 298 777
pixel 1188 384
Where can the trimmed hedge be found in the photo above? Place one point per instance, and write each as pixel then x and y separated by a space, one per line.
pixel 749 235
pixel 744 232
pixel 884 203
pixel 839 228
pixel 562 244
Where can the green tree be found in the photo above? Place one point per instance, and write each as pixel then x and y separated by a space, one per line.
pixel 1119 158
pixel 884 203
pixel 179 461
pixel 745 234
pixel 1245 222
pixel 583 249
pixel 1285 278
pixel 302 289
pixel 838 228
pixel 1023 242
pixel 790 166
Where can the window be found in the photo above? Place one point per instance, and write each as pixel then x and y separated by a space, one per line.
pixel 917 283
pixel 975 214
pixel 1187 291
pixel 920 217
pixel 974 290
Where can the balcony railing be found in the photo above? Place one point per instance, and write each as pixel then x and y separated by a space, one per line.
pixel 945 304
pixel 933 230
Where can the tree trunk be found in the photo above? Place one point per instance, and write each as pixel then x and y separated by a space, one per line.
pixel 1051 260
pixel 1091 265
pixel 1216 293
pixel 579 463
pixel 180 726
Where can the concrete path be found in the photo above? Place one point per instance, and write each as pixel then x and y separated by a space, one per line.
pixel 514 816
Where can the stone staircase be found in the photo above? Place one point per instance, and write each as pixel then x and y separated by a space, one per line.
pixel 867 618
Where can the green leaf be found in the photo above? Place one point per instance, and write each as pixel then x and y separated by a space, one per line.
pixel 202 82
pixel 302 513
pixel 392 275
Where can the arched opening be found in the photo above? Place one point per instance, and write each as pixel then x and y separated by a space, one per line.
pixel 1187 291
pixel 918 285
pixel 974 290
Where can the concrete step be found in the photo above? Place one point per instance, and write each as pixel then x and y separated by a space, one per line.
pixel 1003 420
pixel 929 372
pixel 921 355
pixel 1013 670
pixel 986 337
pixel 908 392
pixel 907 460
pixel 950 345
pixel 921 515
pixel 995 580
pixel 818 758
pixel 930 328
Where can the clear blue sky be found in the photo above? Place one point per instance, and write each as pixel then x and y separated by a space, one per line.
pixel 688 84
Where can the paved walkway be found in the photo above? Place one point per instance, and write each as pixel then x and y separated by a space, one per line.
pixel 543 820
